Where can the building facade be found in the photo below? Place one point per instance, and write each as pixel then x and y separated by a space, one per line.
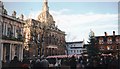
pixel 11 35
pixel 42 36
pixel 108 44
pixel 75 48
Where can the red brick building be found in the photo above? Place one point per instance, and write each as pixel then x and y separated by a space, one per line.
pixel 108 44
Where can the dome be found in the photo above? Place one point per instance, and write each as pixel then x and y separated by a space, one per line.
pixel 45 16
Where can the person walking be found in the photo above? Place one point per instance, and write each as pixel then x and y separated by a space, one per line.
pixel 44 63
pixel 15 63
pixel 73 62
pixel 57 64
pixel 37 64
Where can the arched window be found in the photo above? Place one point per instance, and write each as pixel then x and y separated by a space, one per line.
pixel 117 40
pixel 108 47
pixel 109 40
pixel 9 30
pixel 18 31
pixel 101 41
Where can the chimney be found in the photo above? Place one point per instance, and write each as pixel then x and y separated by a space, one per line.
pixel 105 33
pixel 113 33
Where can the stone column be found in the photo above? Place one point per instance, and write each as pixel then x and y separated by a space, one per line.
pixel 1 51
pixel 6 29
pixel 21 52
pixel 1 54
pixel 13 30
pixel 1 45
pixel 10 58
pixel 12 51
pixel 4 53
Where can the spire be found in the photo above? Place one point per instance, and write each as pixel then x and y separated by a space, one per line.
pixel 45 5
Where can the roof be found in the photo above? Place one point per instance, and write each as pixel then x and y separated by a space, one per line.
pixel 107 36
pixel 74 42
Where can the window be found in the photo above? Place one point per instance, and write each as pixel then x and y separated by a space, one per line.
pixel 77 51
pixel 74 45
pixel 108 48
pixel 101 48
pixel 74 51
pixel 80 51
pixel 109 40
pixel 9 30
pixel 117 47
pixel 18 32
pixel 117 40
pixel 111 48
pixel 101 41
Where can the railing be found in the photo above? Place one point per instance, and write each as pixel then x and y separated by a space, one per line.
pixel 11 38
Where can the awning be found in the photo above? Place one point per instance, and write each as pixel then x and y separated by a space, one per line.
pixel 52 46
pixel 63 56
pixel 106 54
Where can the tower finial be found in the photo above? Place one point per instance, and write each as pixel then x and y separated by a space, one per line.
pixel 45 5
pixel 45 0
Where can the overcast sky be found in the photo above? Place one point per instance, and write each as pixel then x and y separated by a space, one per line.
pixel 75 18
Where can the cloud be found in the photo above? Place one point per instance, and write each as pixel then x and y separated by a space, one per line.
pixel 77 26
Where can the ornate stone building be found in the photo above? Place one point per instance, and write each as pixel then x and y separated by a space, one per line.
pixel 42 37
pixel 11 41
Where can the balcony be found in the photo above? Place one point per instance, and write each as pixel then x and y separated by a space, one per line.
pixel 4 37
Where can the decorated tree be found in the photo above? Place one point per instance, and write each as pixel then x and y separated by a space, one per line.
pixel 91 49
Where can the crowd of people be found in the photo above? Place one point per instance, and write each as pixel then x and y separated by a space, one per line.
pixel 96 62
pixel 102 62
pixel 26 64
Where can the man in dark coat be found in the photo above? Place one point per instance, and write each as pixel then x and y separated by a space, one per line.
pixel 15 63
pixel 37 64
pixel 45 63
pixel 73 62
